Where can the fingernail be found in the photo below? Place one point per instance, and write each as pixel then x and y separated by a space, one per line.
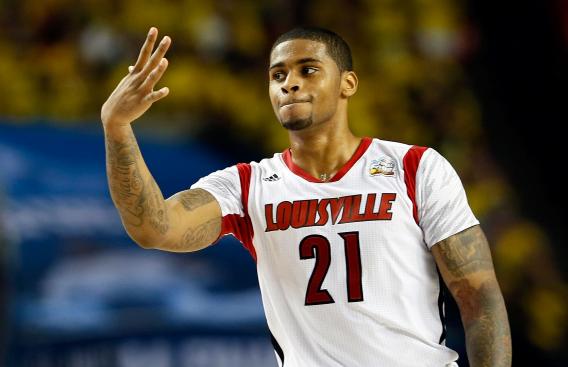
pixel 152 29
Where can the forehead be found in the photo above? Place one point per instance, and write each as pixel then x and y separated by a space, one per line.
pixel 288 52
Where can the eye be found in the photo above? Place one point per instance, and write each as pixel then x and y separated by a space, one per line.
pixel 309 70
pixel 278 76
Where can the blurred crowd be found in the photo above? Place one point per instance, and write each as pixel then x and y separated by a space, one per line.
pixel 59 59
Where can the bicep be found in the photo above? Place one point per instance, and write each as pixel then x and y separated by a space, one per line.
pixel 464 255
pixel 195 217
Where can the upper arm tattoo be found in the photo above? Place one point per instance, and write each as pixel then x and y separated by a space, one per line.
pixel 204 233
pixel 194 198
pixel 466 252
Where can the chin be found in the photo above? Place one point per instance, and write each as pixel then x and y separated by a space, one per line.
pixel 298 124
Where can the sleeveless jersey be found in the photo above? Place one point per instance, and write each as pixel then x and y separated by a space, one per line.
pixel 344 266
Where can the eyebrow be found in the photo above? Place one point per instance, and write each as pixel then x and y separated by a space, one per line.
pixel 299 62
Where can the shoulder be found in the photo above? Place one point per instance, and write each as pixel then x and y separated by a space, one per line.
pixel 415 160
pixel 247 171
pixel 406 155
pixel 396 149
pixel 391 145
pixel 424 155
pixel 269 162
pixel 434 162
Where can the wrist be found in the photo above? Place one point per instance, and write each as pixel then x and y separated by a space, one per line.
pixel 116 129
pixel 110 122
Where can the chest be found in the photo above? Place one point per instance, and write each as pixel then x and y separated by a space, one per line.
pixel 339 236
pixel 289 203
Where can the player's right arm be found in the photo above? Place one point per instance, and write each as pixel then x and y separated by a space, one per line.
pixel 189 220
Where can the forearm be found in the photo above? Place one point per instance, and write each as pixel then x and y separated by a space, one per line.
pixel 134 191
pixel 488 338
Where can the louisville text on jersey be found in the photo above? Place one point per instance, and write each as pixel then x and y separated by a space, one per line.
pixel 318 212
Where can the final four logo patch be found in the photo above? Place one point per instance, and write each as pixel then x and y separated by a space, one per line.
pixel 384 166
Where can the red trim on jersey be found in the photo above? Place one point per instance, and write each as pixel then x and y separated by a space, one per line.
pixel 244 175
pixel 361 149
pixel 241 227
pixel 410 164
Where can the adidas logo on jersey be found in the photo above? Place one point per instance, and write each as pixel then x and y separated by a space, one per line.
pixel 272 178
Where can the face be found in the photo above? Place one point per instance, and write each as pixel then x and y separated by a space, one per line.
pixel 304 84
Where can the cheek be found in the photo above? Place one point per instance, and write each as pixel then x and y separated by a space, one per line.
pixel 272 94
pixel 327 97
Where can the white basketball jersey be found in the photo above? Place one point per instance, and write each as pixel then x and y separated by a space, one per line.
pixel 344 266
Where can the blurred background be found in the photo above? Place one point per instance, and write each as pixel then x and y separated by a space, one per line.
pixel 484 83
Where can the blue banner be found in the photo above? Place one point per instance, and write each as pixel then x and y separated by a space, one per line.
pixel 78 283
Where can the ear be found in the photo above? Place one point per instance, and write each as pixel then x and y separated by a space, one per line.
pixel 349 83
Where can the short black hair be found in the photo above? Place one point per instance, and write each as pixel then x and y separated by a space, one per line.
pixel 336 46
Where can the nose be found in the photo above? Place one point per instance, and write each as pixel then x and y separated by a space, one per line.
pixel 292 84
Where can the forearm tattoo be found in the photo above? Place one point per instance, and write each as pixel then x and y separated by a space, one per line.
pixel 485 322
pixel 139 201
pixel 466 255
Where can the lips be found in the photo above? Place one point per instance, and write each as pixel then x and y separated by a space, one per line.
pixel 294 101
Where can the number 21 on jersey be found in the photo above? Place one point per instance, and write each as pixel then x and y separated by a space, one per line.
pixel 318 247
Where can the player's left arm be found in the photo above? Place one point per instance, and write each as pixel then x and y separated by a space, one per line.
pixel 464 260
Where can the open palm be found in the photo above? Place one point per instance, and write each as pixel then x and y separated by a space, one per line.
pixel 135 92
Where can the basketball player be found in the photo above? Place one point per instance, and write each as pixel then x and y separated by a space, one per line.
pixel 348 233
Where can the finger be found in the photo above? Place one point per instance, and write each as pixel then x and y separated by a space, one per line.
pixel 157 56
pixel 155 75
pixel 146 49
pixel 157 95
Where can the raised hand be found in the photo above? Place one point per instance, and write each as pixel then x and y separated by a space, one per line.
pixel 135 92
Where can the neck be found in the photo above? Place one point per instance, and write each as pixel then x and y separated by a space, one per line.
pixel 322 151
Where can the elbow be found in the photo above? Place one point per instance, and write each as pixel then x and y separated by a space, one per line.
pixel 146 244
pixel 144 240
